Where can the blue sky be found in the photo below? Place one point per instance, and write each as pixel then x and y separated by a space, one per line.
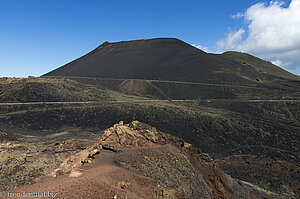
pixel 37 36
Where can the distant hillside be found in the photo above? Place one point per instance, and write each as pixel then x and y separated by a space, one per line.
pixel 261 66
pixel 169 59
pixel 42 90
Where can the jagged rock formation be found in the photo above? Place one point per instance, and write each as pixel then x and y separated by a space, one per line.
pixel 136 161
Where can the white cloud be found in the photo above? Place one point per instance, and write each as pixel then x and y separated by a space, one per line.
pixel 237 15
pixel 232 39
pixel 277 62
pixel 272 32
pixel 204 48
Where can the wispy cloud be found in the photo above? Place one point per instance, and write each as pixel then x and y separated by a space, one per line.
pixel 204 48
pixel 237 15
pixel 272 32
pixel 233 38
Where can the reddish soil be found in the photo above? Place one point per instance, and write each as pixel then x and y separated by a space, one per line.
pixel 136 161
pixel 214 176
pixel 102 179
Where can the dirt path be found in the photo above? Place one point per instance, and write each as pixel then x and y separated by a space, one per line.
pixel 102 179
pixel 133 101
pixel 153 80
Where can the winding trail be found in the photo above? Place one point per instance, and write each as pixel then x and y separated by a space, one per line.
pixel 159 81
pixel 139 101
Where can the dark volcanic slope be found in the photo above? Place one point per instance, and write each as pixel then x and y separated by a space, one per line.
pixel 258 64
pixel 164 58
pixel 48 90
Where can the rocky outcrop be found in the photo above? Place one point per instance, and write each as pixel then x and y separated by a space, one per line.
pixel 178 169
pixel 114 139
pixel 130 135
pixel 131 160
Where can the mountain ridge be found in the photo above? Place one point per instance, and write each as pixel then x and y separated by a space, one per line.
pixel 164 59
